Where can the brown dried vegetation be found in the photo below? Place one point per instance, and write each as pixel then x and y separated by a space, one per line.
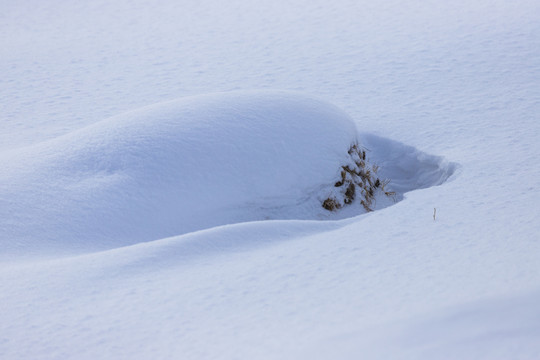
pixel 359 180
pixel 331 204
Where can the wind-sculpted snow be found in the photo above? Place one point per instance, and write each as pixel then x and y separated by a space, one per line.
pixel 465 331
pixel 193 229
pixel 187 165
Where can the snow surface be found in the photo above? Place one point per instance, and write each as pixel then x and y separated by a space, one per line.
pixel 149 211
pixel 187 165
pixel 173 168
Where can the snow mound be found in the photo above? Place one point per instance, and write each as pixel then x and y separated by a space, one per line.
pixel 190 164
pixel 173 168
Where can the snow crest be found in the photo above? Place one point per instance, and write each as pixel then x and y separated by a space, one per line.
pixel 173 168
pixel 192 164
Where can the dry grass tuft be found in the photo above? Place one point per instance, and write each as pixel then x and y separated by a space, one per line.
pixel 358 179
pixel 331 204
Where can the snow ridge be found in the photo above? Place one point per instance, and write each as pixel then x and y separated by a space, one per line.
pixel 187 165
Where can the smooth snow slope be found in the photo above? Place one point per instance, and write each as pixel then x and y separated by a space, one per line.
pixel 191 164
pixel 173 168
pixel 460 80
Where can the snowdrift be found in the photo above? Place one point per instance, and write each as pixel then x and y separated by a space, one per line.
pixel 172 168
pixel 187 165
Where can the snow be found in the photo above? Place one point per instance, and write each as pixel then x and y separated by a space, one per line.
pixel 175 167
pixel 159 200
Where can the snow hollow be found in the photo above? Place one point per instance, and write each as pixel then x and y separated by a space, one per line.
pixel 191 164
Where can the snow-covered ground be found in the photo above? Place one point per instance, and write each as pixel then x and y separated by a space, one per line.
pixel 159 198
